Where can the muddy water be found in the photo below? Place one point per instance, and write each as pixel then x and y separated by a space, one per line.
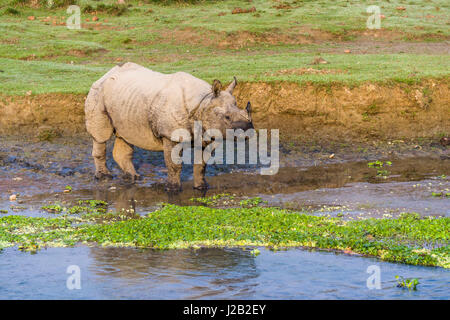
pixel 39 171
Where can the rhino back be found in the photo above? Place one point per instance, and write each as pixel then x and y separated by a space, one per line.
pixel 145 105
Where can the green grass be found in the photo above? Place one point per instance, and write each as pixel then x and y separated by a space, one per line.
pixel 38 56
pixel 335 16
pixel 46 76
pixel 408 239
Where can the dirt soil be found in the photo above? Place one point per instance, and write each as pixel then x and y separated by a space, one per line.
pixel 337 112
pixel 307 112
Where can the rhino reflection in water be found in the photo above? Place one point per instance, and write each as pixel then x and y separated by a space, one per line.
pixel 198 273
pixel 143 107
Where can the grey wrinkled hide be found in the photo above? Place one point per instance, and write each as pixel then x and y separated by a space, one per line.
pixel 143 107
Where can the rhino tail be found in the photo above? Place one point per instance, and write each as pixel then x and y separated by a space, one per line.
pixel 98 123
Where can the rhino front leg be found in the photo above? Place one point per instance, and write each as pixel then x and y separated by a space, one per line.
pixel 173 169
pixel 123 155
pixel 99 155
pixel 199 176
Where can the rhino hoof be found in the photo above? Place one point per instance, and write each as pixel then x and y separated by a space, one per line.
pixel 102 176
pixel 132 177
pixel 203 186
pixel 173 188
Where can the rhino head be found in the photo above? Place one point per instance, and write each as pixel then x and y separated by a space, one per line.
pixel 220 111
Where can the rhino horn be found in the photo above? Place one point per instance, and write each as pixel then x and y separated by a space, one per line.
pixel 232 85
pixel 249 109
pixel 216 87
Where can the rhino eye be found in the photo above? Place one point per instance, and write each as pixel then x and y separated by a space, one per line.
pixel 227 117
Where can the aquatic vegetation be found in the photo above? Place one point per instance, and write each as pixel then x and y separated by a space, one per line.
pixel 252 202
pixel 4 211
pixel 379 164
pixel 215 200
pixel 225 199
pixel 54 208
pixel 382 173
pixel 93 203
pixel 410 284
pixel 410 215
pixel 440 194
pixel 408 239
pixel 85 206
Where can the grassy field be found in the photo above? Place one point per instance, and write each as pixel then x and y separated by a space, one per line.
pixel 277 41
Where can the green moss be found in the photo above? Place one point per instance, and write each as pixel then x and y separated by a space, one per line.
pixel 407 240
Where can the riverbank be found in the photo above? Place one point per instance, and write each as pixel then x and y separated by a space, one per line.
pixel 302 112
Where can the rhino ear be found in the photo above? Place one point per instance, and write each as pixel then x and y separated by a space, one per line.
pixel 232 85
pixel 216 87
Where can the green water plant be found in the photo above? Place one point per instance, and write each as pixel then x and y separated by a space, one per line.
pixel 409 239
pixel 379 165
pixel 86 207
pixel 440 194
pixel 252 202
pixel 410 284
pixel 53 208
pixel 215 200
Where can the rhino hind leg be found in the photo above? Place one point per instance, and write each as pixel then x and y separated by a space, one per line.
pixel 99 155
pixel 100 128
pixel 123 155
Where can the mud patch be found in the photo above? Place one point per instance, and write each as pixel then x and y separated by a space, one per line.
pixel 38 172
pixel 302 35
pixel 238 39
pixel 239 10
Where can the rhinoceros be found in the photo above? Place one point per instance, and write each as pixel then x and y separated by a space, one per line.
pixel 143 107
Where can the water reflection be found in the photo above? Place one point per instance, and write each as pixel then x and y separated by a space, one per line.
pixel 125 273
pixel 205 272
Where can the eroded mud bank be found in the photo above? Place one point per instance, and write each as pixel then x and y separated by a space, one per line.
pixel 302 112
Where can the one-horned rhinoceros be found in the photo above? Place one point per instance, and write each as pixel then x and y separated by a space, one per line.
pixel 143 107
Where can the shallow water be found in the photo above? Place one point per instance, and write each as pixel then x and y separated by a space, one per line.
pixel 125 273
pixel 349 188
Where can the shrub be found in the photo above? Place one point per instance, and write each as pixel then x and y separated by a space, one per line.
pixel 11 11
